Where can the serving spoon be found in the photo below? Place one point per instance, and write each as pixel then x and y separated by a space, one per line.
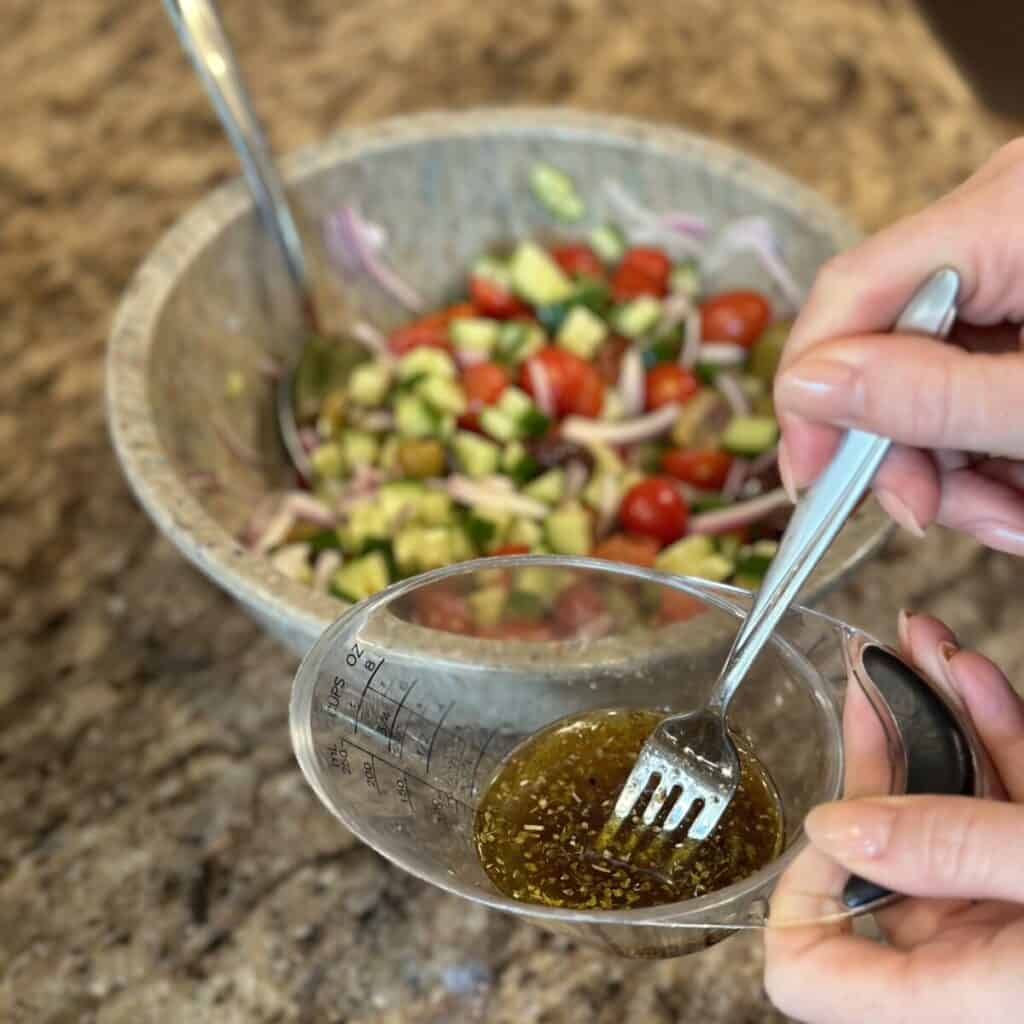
pixel 202 35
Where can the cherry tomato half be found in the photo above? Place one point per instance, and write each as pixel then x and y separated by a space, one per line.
pixel 608 361
pixel 578 605
pixel 643 271
pixel 667 382
pixel 623 547
pixel 738 317
pixel 655 508
pixel 484 382
pixel 430 331
pixel 577 259
pixel 576 387
pixel 444 611
pixel 705 468
pixel 491 300
pixel 677 606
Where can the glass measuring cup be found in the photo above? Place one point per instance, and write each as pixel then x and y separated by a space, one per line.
pixel 406 706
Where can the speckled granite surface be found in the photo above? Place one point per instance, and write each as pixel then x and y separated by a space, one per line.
pixel 160 857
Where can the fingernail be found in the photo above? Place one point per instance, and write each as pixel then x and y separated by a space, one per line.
pixel 851 830
pixel 1000 536
pixel 819 387
pixel 947 652
pixel 786 473
pixel 903 627
pixel 899 512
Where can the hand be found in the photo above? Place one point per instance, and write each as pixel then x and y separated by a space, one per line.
pixel 956 945
pixel 957 415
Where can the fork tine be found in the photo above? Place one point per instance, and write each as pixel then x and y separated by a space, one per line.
pixel 707 818
pixel 661 796
pixel 639 779
pixel 679 813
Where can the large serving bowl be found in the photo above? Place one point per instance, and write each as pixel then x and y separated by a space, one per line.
pixel 211 300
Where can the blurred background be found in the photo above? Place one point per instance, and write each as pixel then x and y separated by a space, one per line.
pixel 160 857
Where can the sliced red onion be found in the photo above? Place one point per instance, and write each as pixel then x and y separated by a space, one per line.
pixel 309 509
pixel 540 382
pixel 349 243
pixel 674 311
pixel 732 391
pixel 468 492
pixel 275 531
pixel 691 340
pixel 756 235
pixel 376 421
pixel 735 478
pixel 735 517
pixel 368 335
pixel 764 461
pixel 293 561
pixel 609 500
pixel 685 223
pixel 643 428
pixel 326 565
pixel 722 353
pixel 631 382
pixel 575 478
pixel 234 444
pixel 470 357
pixel 269 367
pixel 309 439
pixel 676 228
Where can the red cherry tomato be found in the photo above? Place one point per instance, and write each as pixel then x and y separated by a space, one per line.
pixel 578 605
pixel 655 508
pixel 426 333
pixel 484 382
pixel 643 271
pixel 576 387
pixel 623 547
pixel 667 382
pixel 577 260
pixel 739 317
pixel 444 611
pixel 677 606
pixel 491 300
pixel 608 361
pixel 704 468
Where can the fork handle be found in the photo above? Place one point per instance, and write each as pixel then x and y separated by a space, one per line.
pixel 938 752
pixel 823 511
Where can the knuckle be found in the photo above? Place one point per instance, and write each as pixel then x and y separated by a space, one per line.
pixel 950 853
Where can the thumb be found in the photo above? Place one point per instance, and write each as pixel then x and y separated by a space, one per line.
pixel 935 846
pixel 916 391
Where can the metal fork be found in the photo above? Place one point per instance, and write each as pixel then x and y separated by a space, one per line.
pixel 690 758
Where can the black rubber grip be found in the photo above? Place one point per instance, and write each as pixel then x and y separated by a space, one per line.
pixel 938 756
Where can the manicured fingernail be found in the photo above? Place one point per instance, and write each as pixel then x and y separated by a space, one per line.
pixel 947 652
pixel 786 473
pixel 903 627
pixel 851 830
pixel 818 387
pixel 991 701
pixel 899 512
pixel 1001 536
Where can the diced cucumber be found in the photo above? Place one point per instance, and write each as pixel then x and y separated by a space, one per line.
pixel 591 294
pixel 568 530
pixel 525 532
pixel 420 548
pixel 360 448
pixel 542 581
pixel 499 426
pixel 533 423
pixel 511 455
pixel 750 435
pixel 551 316
pixel 493 270
pixel 443 394
pixel 556 192
pixel 582 332
pixel 685 556
pixel 421 458
pixel 425 361
pixel 537 277
pixel 524 605
pixel 608 242
pixel 488 604
pixel 330 418
pixel 292 561
pixel 368 384
pixel 324 540
pixel 729 544
pixel 388 459
pixel 477 456
pixel 606 458
pixel 767 351
pixel 474 334
pixel 716 568
pixel 435 508
pixel 362 577
pixel 524 470
pixel 485 528
pixel 397 500
pixel 691 428
pixel 514 403
pixel 549 488
pixel 753 560
pixel 638 316
pixel 414 418
pixel 708 503
pixel 685 278
pixel 328 461
pixel 518 340
pixel 364 523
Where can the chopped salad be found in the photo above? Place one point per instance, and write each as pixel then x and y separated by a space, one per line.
pixel 584 396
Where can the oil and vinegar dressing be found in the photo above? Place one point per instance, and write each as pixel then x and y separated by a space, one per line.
pixel 538 825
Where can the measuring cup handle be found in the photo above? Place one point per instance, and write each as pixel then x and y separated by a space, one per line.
pixel 938 751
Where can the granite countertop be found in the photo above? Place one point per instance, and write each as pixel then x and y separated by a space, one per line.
pixel 160 857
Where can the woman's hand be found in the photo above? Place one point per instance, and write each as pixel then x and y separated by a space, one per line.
pixel 957 415
pixel 955 948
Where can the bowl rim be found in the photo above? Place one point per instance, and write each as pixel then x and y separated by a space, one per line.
pixel 152 475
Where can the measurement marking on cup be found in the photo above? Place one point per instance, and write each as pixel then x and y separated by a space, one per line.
pixel 394 720
pixel 440 722
pixel 369 683
pixel 480 757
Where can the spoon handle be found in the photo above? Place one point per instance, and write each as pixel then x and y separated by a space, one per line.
pixel 823 511
pixel 202 35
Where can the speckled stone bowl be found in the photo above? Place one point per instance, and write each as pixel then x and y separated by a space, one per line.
pixel 211 300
